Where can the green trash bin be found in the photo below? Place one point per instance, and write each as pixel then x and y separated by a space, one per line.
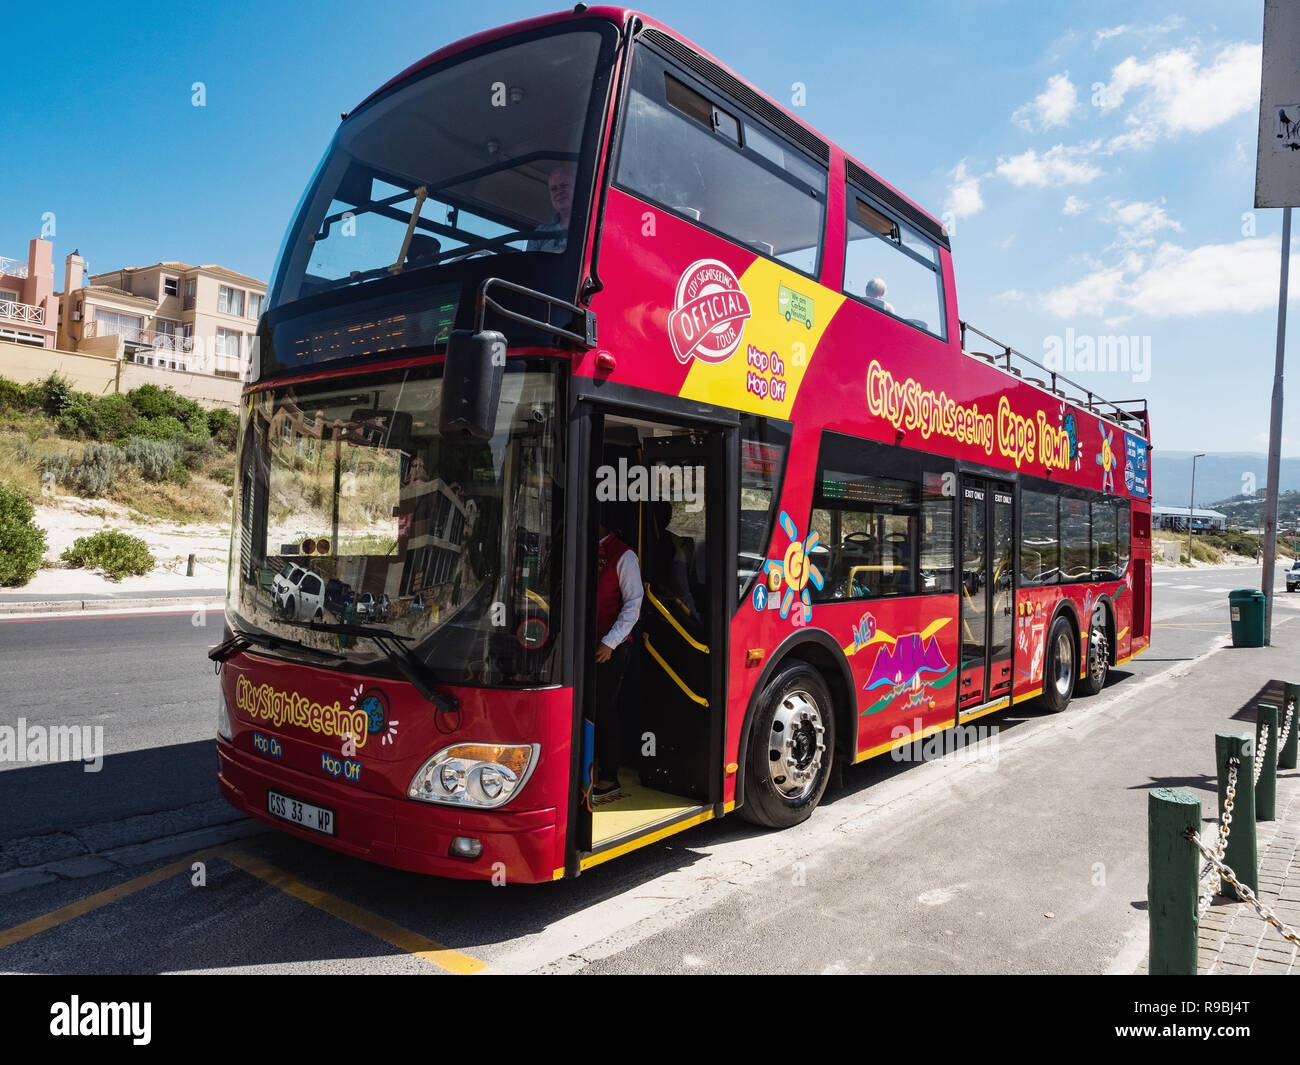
pixel 1246 609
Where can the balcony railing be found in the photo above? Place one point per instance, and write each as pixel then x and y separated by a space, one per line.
pixel 12 267
pixel 137 337
pixel 22 312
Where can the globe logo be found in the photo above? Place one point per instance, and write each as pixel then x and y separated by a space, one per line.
pixel 374 704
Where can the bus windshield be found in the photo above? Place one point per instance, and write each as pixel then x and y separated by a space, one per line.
pixel 353 509
pixel 479 158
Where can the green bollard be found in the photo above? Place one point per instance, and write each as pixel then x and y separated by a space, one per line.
pixel 1172 871
pixel 1266 786
pixel 1286 760
pixel 1240 854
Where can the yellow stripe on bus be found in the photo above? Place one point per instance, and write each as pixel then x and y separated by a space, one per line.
pixel 646 840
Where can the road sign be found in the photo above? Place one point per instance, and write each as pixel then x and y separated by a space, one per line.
pixel 1277 167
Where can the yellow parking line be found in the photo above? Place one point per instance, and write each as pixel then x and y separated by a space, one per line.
pixel 27 929
pixel 381 928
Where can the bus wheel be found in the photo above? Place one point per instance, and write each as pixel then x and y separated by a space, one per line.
pixel 1098 654
pixel 790 749
pixel 1061 667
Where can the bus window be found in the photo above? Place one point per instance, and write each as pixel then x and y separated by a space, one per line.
pixel 1076 539
pixel 892 268
pixel 764 444
pixel 883 516
pixel 1104 567
pixel 1040 541
pixel 761 194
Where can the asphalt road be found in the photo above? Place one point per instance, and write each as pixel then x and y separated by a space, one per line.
pixel 946 866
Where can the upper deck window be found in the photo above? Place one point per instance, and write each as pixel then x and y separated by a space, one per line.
pixel 477 157
pixel 892 267
pixel 709 162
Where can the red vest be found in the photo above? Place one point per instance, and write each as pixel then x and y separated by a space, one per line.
pixel 609 596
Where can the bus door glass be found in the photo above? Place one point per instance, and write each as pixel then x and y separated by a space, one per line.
pixel 988 591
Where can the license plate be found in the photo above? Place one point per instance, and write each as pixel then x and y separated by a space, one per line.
pixel 302 814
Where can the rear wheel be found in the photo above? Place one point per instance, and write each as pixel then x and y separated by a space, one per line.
pixel 791 745
pixel 1060 667
pixel 1098 653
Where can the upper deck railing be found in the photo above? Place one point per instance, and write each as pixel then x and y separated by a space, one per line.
pixel 1128 414
pixel 12 267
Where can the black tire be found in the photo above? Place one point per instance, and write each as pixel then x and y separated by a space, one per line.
pixel 1060 667
pixel 775 794
pixel 291 608
pixel 1098 653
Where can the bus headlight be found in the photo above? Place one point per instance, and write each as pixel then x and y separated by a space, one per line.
pixel 223 716
pixel 475 774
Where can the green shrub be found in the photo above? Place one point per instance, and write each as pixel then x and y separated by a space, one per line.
pixel 57 463
pixel 78 417
pixel 223 474
pixel 223 427
pixel 116 554
pixel 21 398
pixel 57 394
pixel 159 404
pixel 162 428
pixel 100 466
pixel 116 419
pixel 22 543
pixel 155 459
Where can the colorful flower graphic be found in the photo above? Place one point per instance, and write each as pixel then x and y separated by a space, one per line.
pixel 1106 460
pixel 794 572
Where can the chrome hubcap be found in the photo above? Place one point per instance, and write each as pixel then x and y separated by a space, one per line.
pixel 1098 650
pixel 796 745
pixel 1064 664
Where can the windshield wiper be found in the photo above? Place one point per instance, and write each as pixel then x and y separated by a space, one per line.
pixel 242 639
pixel 393 647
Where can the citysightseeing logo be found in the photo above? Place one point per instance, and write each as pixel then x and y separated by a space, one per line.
pixel 709 313
pixel 278 708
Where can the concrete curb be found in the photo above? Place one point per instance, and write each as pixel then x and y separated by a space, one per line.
pixel 206 599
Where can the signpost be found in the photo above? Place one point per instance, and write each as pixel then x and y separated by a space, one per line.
pixel 1277 184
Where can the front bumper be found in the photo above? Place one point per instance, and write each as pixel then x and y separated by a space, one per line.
pixel 525 847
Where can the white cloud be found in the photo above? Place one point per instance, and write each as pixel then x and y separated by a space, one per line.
pixel 1136 222
pixel 1088 296
pixel 964 199
pixel 1239 278
pixel 1105 34
pixel 1051 107
pixel 1074 205
pixel 1175 94
pixel 1011 295
pixel 1176 282
pixel 1057 166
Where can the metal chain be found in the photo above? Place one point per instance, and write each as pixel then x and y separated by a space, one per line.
pixel 1286 729
pixel 1221 844
pixel 1244 893
pixel 1263 749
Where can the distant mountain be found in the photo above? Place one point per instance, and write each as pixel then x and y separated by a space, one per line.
pixel 1220 475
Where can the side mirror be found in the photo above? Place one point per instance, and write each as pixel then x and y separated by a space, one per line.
pixel 471 384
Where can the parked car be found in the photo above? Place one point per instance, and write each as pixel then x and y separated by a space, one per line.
pixel 1293 576
pixel 338 595
pixel 298 592
pixel 368 608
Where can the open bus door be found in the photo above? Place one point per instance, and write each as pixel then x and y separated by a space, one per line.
pixel 672 700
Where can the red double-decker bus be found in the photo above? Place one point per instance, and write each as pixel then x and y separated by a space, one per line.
pixel 575 275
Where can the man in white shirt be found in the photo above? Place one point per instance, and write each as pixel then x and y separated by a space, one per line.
pixel 619 592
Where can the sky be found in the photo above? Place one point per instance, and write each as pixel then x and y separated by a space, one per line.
pixel 1095 162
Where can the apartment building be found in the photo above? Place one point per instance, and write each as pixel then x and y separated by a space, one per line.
pixel 171 315
pixel 28 306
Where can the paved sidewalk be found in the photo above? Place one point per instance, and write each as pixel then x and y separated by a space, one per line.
pixel 1233 938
